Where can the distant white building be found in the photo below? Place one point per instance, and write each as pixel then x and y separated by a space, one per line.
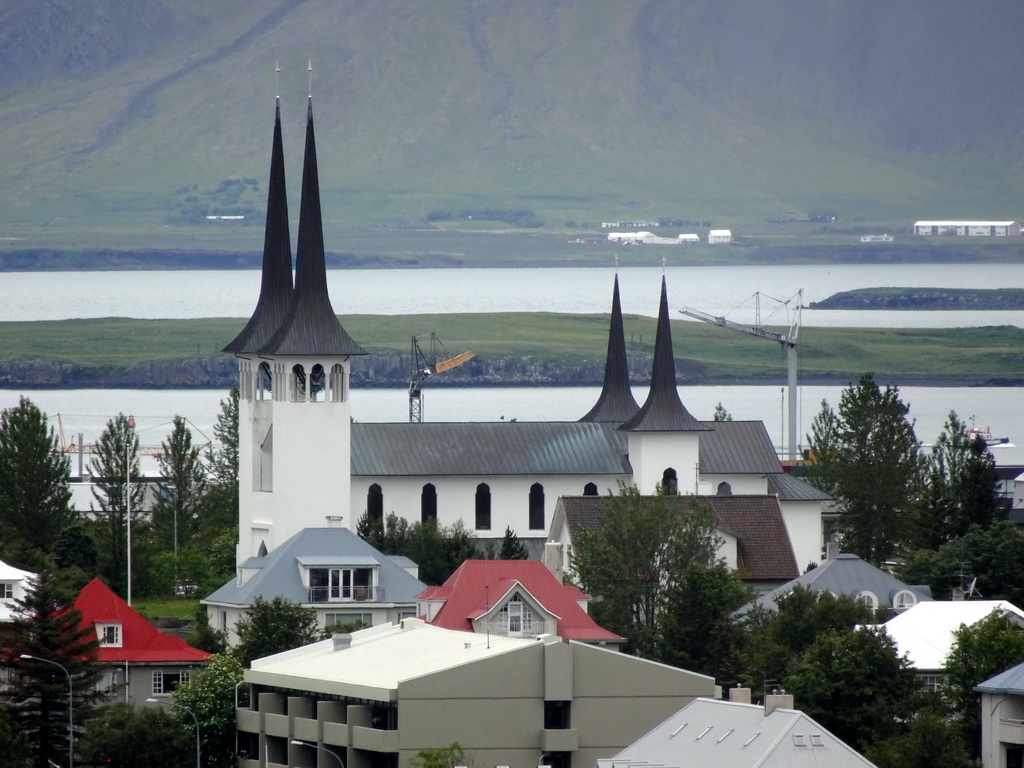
pixel 649 238
pixel 720 236
pixel 966 228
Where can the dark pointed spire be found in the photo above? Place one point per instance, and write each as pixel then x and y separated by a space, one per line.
pixel 276 287
pixel 311 326
pixel 663 411
pixel 616 403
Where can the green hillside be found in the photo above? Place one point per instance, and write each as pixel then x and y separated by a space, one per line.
pixel 128 122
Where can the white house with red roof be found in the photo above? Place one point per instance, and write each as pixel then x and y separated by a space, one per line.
pixel 142 662
pixel 511 598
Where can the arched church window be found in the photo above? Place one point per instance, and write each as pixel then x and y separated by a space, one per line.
pixel 298 383
pixel 724 489
pixel 536 507
pixel 264 381
pixel 669 482
pixel 428 503
pixel 375 503
pixel 590 489
pixel 483 507
pixel 317 382
pixel 337 387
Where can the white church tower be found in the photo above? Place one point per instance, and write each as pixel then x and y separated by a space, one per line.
pixel 294 420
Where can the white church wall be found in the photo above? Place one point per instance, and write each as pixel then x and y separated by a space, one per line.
pixel 803 523
pixel 651 453
pixel 739 485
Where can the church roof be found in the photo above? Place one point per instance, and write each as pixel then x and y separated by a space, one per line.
pixel 488 448
pixel 737 447
pixel 789 488
pixel 276 286
pixel 474 586
pixel 280 572
pixel 616 403
pixel 663 411
pixel 140 641
pixel 311 326
pixel 763 548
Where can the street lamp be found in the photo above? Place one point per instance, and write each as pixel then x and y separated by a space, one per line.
pixel 314 745
pixel 71 705
pixel 128 499
pixel 196 719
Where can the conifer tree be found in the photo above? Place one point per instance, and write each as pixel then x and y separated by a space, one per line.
pixel 46 626
pixel 183 480
pixel 220 508
pixel 511 547
pixel 35 500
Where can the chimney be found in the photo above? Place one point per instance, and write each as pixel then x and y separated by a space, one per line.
pixel 739 695
pixel 334 521
pixel 553 558
pixel 832 550
pixel 342 640
pixel 958 595
pixel 773 701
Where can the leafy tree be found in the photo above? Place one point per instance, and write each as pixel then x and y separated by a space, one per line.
pixel 439 549
pixel 871 461
pixel 441 757
pixel 856 685
pixel 273 626
pixel 930 741
pixel 210 694
pixel 180 490
pixel 989 558
pixel 117 460
pixel 205 637
pixel 220 509
pixel 511 547
pixel 35 500
pixel 961 486
pixel 643 543
pixel 697 629
pixel 776 640
pixel 46 625
pixel 980 651
pixel 721 414
pixel 122 736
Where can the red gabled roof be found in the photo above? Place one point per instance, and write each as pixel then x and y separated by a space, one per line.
pixel 477 584
pixel 140 640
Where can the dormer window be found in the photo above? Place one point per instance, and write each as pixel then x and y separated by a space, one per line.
pixel 904 599
pixel 109 635
pixel 516 618
pixel 341 581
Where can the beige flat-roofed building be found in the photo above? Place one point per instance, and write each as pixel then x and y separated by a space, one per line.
pixel 378 697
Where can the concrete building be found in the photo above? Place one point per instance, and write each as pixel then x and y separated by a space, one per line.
pixel 1002 719
pixel 719 236
pixel 377 697
pixel 967 228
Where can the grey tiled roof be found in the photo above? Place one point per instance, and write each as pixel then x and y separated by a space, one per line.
pixel 279 575
pixel 789 488
pixel 487 448
pixel 764 552
pixel 737 447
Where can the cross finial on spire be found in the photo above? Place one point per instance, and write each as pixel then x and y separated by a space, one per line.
pixel 616 263
pixel 311 78
pixel 278 87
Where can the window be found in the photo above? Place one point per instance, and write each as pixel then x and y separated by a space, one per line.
pixel 590 489
pixel 166 682
pixel 375 503
pixel 109 635
pixel 904 599
pixel 326 584
pixel 6 591
pixel 515 618
pixel 867 599
pixel 931 683
pixel 316 382
pixel 669 482
pixel 298 383
pixel 724 489
pixel 536 506
pixel 349 618
pixel 263 381
pixel 483 507
pixel 428 503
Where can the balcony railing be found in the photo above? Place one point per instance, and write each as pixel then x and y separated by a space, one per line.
pixel 530 628
pixel 368 594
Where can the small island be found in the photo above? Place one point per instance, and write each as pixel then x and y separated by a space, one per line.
pixel 944 299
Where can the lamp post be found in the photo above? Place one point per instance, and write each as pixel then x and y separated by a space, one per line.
pixel 196 719
pixel 314 745
pixel 71 705
pixel 128 498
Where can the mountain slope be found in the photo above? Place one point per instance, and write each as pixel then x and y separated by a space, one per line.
pixel 145 113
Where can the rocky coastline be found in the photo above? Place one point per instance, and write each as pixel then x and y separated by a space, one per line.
pixel 925 299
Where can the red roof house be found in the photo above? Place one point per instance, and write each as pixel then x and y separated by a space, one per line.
pixel 513 598
pixel 143 661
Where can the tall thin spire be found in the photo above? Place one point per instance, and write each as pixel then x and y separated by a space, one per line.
pixel 276 285
pixel 616 403
pixel 311 326
pixel 663 411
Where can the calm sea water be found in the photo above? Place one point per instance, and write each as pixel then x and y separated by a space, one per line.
pixel 722 291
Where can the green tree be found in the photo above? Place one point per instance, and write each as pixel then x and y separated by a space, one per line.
pixel 630 561
pixel 273 626
pixel 13 745
pixel 960 489
pixel 175 514
pixel 697 631
pixel 439 549
pixel 930 741
pixel 205 637
pixel 210 694
pixel 987 648
pixel 721 414
pixel 45 625
pixel 871 461
pixel 35 500
pixel 441 757
pixel 856 685
pixel 116 461
pixel 122 736
pixel 391 537
pixel 511 547
pixel 220 508
pixel 990 559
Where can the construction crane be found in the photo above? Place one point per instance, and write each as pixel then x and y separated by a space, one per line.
pixel 787 340
pixel 424 365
